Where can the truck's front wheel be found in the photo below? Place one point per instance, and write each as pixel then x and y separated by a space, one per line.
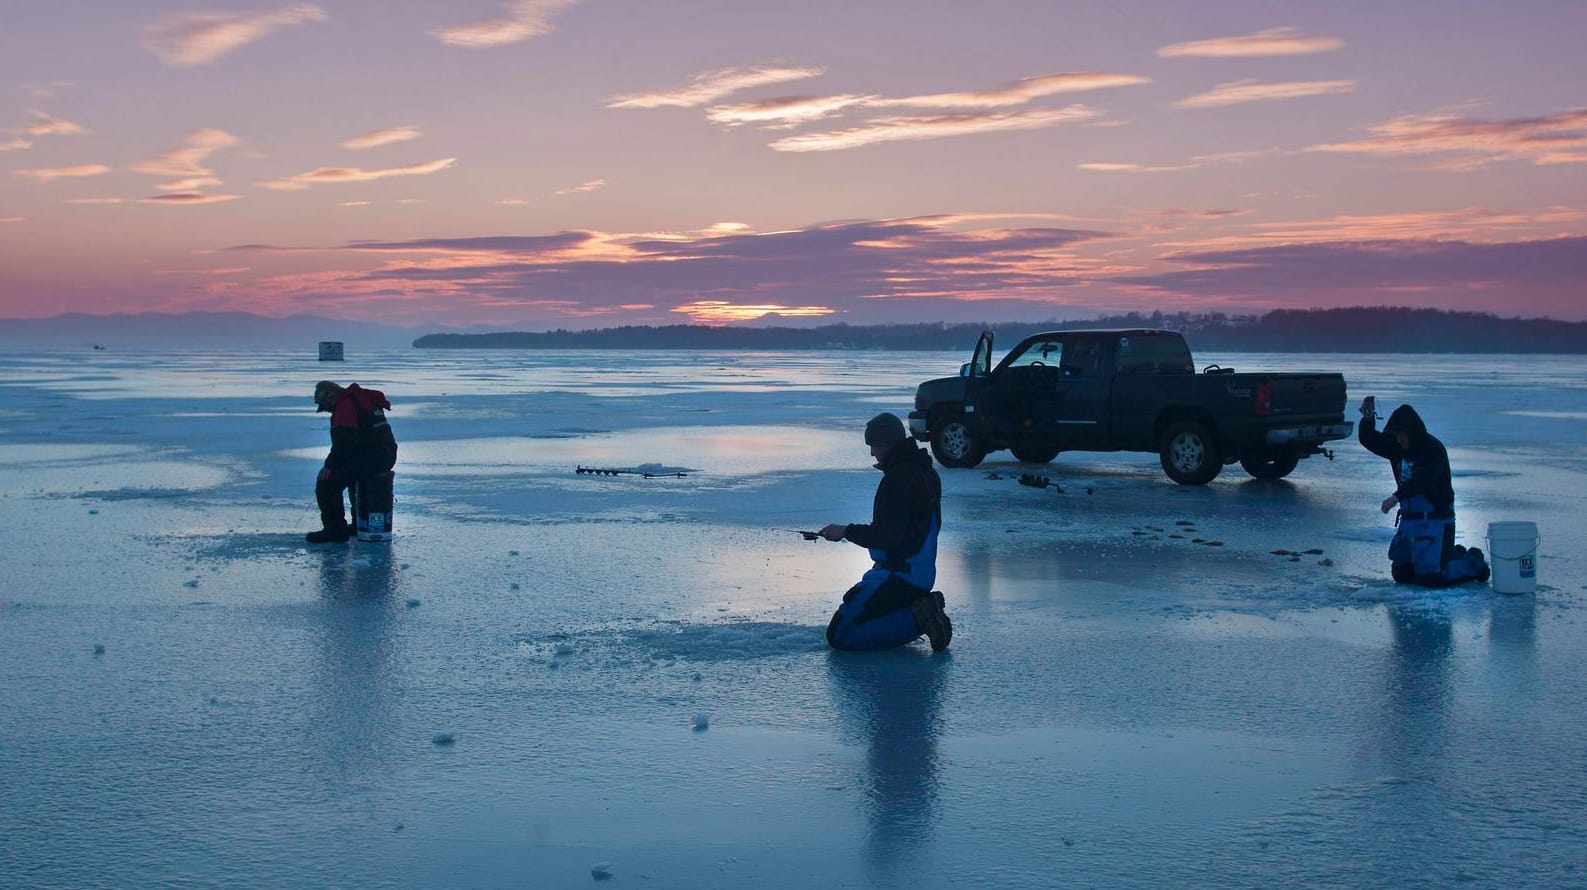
pixel 954 444
pixel 1270 463
pixel 1190 453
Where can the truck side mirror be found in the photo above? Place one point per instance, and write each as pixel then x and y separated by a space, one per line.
pixel 964 370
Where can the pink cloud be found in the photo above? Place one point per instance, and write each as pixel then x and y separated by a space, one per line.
pixel 199 38
pixel 48 173
pixel 1242 91
pixel 355 174
pixel 378 138
pixel 1272 42
pixel 524 19
pixel 42 124
pixel 894 129
pixel 1462 144
pixel 712 85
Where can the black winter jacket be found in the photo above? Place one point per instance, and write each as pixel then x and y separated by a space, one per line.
pixel 1422 469
pixel 907 499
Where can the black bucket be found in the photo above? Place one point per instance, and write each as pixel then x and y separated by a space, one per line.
pixel 372 506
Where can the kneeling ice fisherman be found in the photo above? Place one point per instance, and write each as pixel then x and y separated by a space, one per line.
pixel 893 603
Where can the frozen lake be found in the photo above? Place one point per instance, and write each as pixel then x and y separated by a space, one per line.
pixel 550 679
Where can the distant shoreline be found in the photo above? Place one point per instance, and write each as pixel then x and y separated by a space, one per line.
pixel 1357 330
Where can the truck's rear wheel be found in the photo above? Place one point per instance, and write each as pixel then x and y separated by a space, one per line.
pixel 1190 453
pixel 1034 454
pixel 954 444
pixel 1271 463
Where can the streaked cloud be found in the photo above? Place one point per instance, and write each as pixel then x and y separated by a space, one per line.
pixel 783 113
pixel 41 124
pixel 1020 91
pixel 524 19
pixel 1272 42
pixel 787 112
pixel 1463 144
pixel 46 174
pixel 13 219
pixel 397 201
pixel 512 202
pixel 895 129
pixel 709 86
pixel 46 90
pixel 188 198
pixel 18 144
pixel 354 174
pixel 199 38
pixel 589 186
pixel 191 184
pixel 95 201
pixel 377 138
pixel 1255 91
pixel 1126 167
pixel 187 160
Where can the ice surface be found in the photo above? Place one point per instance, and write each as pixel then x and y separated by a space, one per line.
pixel 631 671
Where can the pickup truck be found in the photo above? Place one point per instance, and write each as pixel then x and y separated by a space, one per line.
pixel 1127 390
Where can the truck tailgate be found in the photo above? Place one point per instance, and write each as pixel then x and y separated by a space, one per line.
pixel 1305 395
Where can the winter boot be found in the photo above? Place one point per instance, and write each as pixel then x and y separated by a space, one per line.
pixel 331 534
pixel 931 620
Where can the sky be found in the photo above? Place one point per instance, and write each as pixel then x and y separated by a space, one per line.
pixel 544 164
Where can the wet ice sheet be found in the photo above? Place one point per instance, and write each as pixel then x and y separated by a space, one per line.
pixel 1141 693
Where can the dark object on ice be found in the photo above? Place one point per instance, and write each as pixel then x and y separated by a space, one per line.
pixel 601 871
pixel 443 739
pixel 1214 543
pixel 1127 390
pixel 362 445
pixel 1183 522
pixel 619 471
pixel 993 475
pixel 1034 481
pixel 1282 552
pixel 372 503
pixel 99 649
pixel 1315 551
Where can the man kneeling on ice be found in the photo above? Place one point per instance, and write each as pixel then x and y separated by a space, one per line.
pixel 1423 551
pixel 894 603
pixel 361 446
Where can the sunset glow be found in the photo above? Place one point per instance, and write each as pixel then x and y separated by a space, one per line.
pixel 571 163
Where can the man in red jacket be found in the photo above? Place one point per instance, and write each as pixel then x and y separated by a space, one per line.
pixel 361 445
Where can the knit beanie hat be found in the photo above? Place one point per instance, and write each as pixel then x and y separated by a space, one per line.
pixel 884 431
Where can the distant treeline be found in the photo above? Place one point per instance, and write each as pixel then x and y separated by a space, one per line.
pixel 1366 329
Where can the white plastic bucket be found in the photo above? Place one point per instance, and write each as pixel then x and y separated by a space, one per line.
pixel 1512 556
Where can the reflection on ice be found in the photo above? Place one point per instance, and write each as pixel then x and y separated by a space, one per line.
pixel 1149 685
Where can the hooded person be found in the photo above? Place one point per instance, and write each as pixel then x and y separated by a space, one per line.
pixel 1423 551
pixel 362 445
pixel 893 603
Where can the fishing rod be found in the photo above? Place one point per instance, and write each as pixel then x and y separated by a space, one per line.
pixel 808 536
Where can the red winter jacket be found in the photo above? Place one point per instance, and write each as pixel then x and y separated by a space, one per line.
pixel 359 431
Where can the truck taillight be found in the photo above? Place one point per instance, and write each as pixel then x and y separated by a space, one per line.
pixel 1264 400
